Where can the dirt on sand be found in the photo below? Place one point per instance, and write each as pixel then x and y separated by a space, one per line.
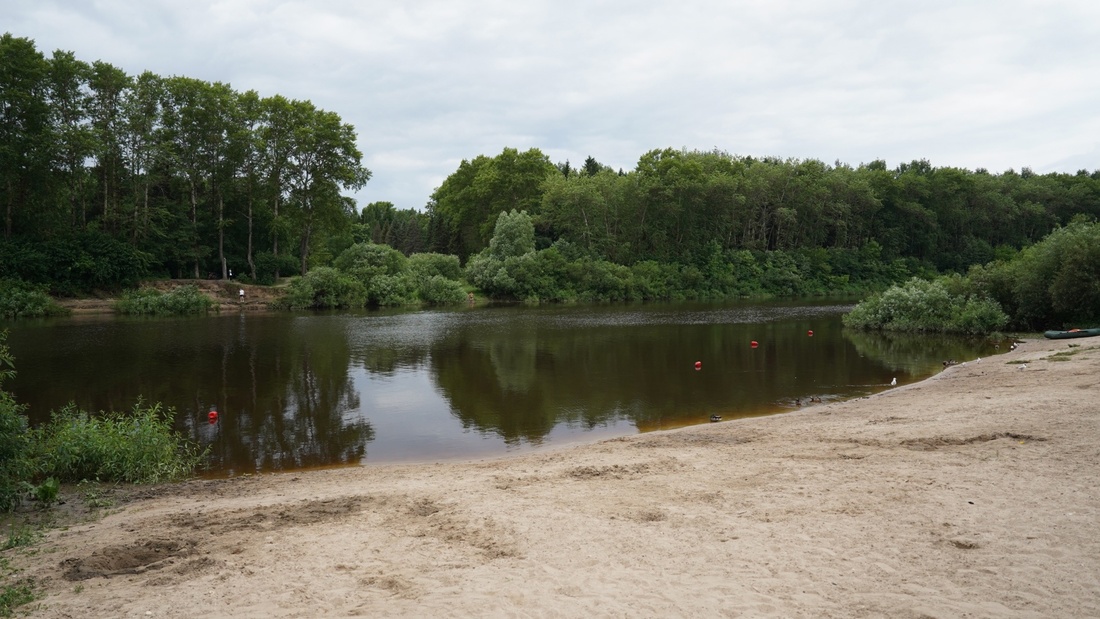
pixel 973 494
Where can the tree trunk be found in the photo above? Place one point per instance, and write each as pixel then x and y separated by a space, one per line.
pixel 275 234
pixel 251 263
pixel 221 234
pixel 8 211
pixel 194 223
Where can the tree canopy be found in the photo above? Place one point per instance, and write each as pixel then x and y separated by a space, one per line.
pixel 676 203
pixel 174 175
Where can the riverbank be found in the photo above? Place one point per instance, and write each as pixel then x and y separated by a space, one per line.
pixel 974 493
pixel 226 294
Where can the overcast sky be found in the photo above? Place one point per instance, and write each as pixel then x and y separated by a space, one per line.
pixel 997 84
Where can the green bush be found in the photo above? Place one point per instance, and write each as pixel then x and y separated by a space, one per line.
pixel 140 447
pixel 1052 284
pixel 19 299
pixel 429 264
pixel 324 288
pixel 16 460
pixel 390 290
pixel 384 272
pixel 945 305
pixel 181 301
pixel 438 290
pixel 435 278
pixel 367 260
pixel 71 264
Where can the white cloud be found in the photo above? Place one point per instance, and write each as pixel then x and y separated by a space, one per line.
pixel 994 84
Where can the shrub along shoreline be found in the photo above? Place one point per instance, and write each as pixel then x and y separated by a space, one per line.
pixel 135 447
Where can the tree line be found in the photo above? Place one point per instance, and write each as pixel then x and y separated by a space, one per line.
pixel 676 204
pixel 107 178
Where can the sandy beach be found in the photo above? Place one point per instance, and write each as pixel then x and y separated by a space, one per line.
pixel 975 493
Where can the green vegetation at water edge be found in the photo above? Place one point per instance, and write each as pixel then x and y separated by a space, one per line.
pixel 20 299
pixel 135 447
pixel 181 301
pixel 17 466
pixel 928 306
pixel 1053 284
pixel 368 274
pixel 138 447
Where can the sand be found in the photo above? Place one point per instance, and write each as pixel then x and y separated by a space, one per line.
pixel 971 494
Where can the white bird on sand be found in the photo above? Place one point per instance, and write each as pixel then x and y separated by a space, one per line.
pixel 894 382
pixel 1023 366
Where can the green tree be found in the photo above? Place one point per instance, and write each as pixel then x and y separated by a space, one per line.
pixel 324 160
pixel 108 83
pixel 26 138
pixel 142 150
pixel 69 101
pixel 468 202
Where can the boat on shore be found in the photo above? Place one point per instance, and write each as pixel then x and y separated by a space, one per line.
pixel 1071 333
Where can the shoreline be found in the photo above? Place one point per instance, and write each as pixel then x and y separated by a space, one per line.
pixel 223 292
pixel 972 492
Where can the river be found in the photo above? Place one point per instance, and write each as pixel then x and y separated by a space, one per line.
pixel 298 391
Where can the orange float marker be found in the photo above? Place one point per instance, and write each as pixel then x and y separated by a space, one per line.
pixel 754 344
pixel 212 416
pixel 698 365
pixel 810 333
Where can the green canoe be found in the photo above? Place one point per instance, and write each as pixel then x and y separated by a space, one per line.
pixel 1062 335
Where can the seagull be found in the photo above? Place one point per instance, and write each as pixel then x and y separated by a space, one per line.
pixel 1023 366
pixel 894 382
pixel 716 418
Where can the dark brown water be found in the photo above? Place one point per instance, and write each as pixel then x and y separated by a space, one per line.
pixel 297 391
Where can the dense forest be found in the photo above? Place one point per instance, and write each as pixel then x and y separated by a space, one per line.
pixel 107 179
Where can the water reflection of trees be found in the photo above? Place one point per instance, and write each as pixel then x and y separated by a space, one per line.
pixel 908 351
pixel 281 385
pixel 290 402
pixel 284 389
pixel 522 382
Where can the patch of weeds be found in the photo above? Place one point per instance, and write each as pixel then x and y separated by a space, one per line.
pixel 94 496
pixel 1017 362
pixel 45 493
pixel 21 536
pixel 15 593
pixel 1066 354
pixel 140 447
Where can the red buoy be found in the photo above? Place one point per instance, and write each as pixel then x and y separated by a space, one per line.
pixel 212 416
pixel 754 344
pixel 810 333
pixel 698 365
